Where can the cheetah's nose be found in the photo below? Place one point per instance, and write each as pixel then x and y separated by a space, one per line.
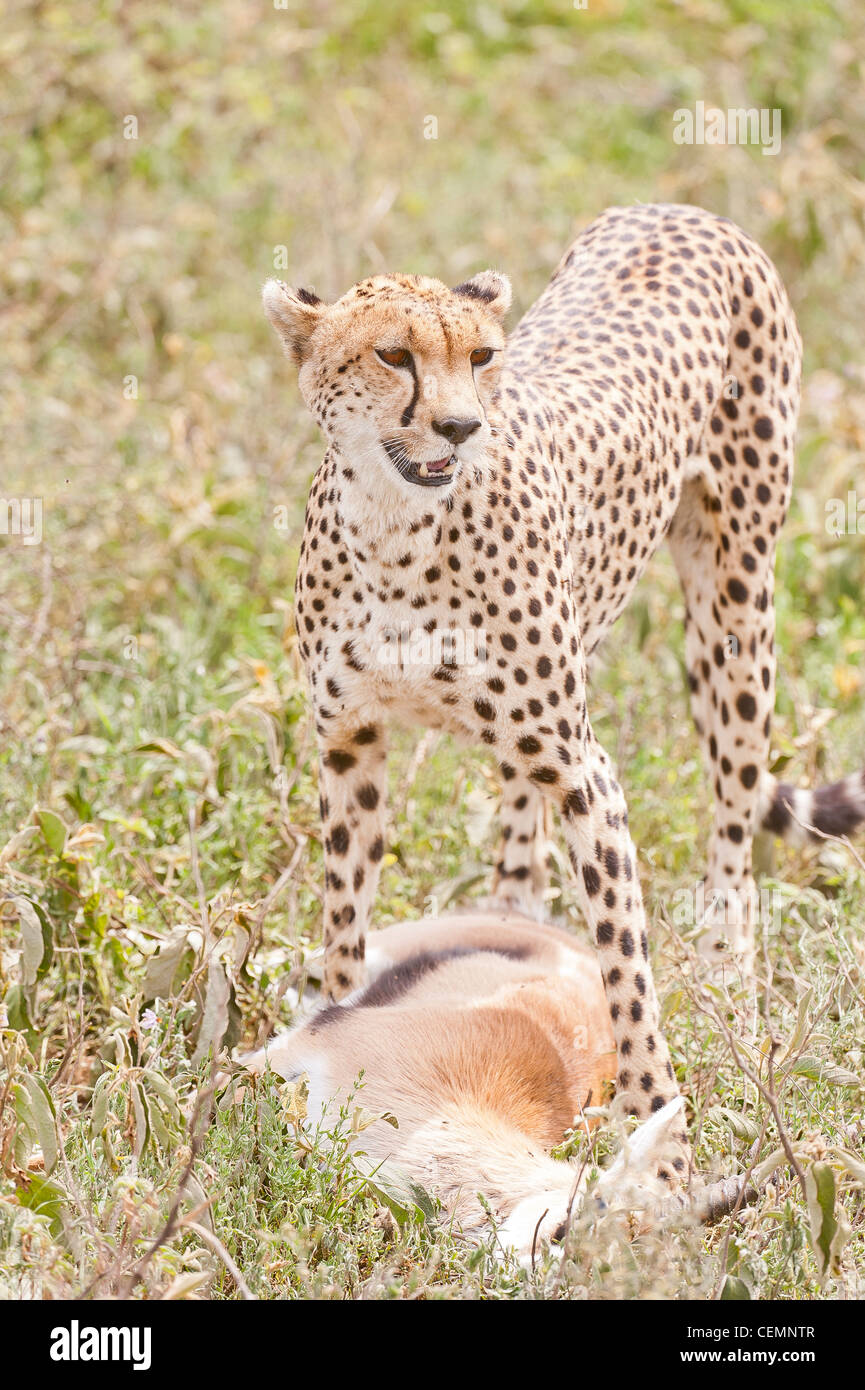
pixel 455 431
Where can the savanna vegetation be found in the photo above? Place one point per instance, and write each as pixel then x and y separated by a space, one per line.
pixel 159 838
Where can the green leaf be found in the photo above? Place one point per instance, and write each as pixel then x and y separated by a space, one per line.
pixel 53 830
pixel 100 1105
pixel 779 764
pixel 404 1198
pixel 800 1032
pixel 361 1119
pixel 854 1165
pixel 162 968
pixel 818 1070
pixel 766 1168
pixel 739 1125
pixel 141 1111
pixel 165 746
pixel 735 1290
pixel 25 1136
pixel 46 1197
pixel 47 935
pixel 16 1010
pixel 166 1095
pixel 829 1231
pixel 214 1022
pixel 162 1138
pixel 44 1119
pixel 32 941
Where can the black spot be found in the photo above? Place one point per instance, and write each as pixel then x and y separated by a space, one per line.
pixel 575 803
pixel 368 796
pixel 592 880
pixel 339 761
pixel 529 744
pixel 737 590
pixel 545 775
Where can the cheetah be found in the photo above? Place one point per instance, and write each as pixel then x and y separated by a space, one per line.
pixel 517 490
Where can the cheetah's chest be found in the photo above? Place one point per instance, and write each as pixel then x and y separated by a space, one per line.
pixel 418 665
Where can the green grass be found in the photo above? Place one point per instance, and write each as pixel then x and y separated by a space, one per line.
pixel 147 698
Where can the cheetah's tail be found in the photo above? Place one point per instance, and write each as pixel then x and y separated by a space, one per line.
pixel 803 816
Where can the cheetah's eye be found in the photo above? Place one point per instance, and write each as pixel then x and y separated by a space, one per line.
pixel 481 356
pixel 394 357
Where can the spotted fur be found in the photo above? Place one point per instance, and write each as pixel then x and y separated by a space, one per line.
pixel 651 393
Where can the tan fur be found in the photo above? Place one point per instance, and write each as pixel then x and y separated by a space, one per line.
pixel 486 1061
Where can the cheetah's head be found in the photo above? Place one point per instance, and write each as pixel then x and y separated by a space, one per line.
pixel 399 373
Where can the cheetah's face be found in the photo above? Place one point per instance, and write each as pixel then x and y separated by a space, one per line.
pixel 399 373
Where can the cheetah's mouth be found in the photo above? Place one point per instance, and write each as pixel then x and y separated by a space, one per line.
pixel 430 473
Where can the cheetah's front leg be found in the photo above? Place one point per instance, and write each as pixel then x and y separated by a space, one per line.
pixel 595 819
pixel 352 786
pixel 521 871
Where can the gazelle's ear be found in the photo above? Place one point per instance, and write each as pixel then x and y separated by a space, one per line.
pixel 294 314
pixel 489 288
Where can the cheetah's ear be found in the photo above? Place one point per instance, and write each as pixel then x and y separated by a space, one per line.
pixel 294 314
pixel 490 288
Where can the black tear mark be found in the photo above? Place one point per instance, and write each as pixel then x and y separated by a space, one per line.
pixel 408 413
